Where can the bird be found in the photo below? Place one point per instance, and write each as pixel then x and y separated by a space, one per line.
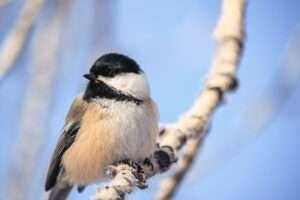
pixel 113 119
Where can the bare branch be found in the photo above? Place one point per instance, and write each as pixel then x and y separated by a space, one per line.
pixel 14 42
pixel 193 124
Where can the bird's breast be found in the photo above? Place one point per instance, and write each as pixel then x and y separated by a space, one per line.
pixel 110 132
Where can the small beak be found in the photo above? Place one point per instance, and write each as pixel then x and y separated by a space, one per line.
pixel 90 77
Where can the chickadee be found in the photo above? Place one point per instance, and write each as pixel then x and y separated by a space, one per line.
pixel 114 119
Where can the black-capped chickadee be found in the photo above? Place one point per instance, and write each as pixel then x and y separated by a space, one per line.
pixel 114 119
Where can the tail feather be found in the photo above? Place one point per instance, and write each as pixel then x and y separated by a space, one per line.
pixel 60 191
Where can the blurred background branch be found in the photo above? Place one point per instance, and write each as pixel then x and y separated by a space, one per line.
pixel 4 2
pixel 12 46
pixel 267 105
pixel 36 103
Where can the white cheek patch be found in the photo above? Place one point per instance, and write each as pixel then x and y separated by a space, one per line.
pixel 129 83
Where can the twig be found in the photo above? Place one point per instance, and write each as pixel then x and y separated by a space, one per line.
pixel 14 42
pixel 193 124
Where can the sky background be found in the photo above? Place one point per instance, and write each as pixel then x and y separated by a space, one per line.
pixel 172 42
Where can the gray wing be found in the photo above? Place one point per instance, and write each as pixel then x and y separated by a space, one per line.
pixel 72 125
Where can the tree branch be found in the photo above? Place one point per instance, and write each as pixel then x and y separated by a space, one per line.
pixel 125 177
pixel 229 35
pixel 192 126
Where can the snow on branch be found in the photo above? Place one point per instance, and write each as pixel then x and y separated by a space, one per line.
pixel 192 127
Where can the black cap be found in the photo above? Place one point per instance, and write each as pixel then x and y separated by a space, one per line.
pixel 112 64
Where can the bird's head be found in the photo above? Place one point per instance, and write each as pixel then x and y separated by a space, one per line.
pixel 121 73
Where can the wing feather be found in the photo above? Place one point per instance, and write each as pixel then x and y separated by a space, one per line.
pixel 66 139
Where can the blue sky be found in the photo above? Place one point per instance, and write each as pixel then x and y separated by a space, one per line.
pixel 172 42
